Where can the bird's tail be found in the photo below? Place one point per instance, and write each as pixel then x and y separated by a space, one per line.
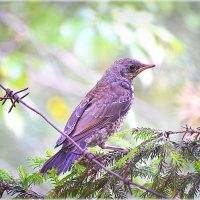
pixel 62 160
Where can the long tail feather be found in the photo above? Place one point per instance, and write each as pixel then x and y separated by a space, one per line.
pixel 62 160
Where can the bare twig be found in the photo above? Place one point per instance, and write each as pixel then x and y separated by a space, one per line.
pixel 89 156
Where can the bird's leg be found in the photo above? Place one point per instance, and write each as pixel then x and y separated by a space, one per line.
pixel 104 146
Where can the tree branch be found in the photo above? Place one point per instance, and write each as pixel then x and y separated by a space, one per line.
pixel 19 191
pixel 186 130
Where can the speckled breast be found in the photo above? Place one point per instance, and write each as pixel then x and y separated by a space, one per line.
pixel 103 134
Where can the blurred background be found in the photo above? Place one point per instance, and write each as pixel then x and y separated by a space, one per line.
pixel 60 50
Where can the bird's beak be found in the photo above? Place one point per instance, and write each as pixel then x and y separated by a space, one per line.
pixel 146 66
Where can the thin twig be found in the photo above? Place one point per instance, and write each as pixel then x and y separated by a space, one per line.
pixel 85 152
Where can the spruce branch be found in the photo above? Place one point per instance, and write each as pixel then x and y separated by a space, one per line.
pixel 18 191
pixel 186 130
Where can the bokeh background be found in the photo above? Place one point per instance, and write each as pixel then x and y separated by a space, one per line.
pixel 60 50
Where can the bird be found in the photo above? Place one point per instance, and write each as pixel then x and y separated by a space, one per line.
pixel 99 115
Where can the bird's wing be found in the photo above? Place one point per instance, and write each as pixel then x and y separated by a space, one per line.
pixel 73 120
pixel 106 106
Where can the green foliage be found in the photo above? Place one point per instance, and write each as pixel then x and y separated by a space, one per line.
pixel 4 175
pixel 37 162
pixel 27 180
pixel 144 134
pixel 20 187
pixel 168 167
pixel 197 166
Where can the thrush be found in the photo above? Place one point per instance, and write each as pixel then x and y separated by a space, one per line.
pixel 99 115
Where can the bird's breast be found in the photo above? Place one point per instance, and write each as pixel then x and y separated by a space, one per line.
pixel 113 104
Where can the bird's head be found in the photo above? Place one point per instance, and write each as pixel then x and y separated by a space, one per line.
pixel 129 68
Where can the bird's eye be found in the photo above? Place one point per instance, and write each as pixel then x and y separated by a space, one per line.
pixel 131 67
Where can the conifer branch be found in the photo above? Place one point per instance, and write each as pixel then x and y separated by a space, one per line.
pixel 18 191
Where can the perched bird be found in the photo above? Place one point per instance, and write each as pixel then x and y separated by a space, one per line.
pixel 99 115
